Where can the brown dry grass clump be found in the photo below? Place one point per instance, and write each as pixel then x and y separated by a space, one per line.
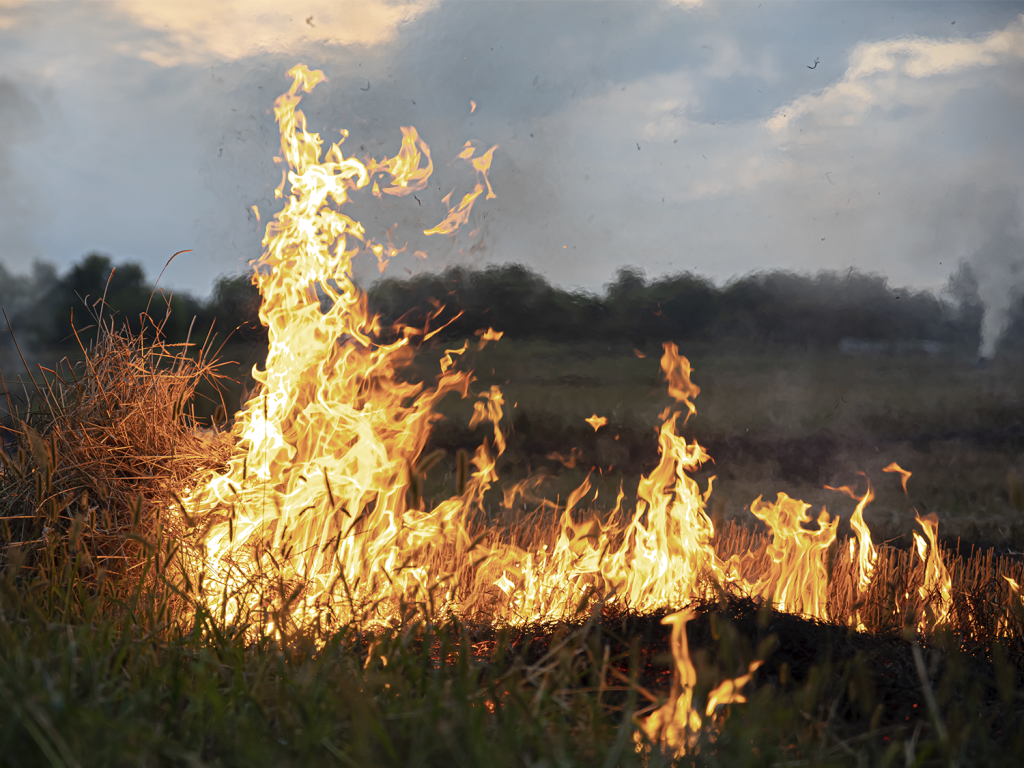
pixel 98 451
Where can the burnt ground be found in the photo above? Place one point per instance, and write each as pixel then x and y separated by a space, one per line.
pixel 862 677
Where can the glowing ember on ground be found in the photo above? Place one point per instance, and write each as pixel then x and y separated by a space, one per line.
pixel 319 518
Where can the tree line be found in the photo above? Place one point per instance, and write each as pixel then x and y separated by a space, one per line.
pixel 767 307
pixel 46 311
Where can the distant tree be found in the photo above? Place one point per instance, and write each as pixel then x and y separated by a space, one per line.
pixel 630 306
pixel 769 307
pixel 685 306
pixel 761 308
pixel 234 308
pixel 95 289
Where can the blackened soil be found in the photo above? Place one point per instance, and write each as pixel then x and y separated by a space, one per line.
pixel 857 671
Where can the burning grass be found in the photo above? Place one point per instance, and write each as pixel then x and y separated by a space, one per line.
pixel 99 670
pixel 126 674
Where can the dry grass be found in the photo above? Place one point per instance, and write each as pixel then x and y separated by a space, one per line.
pixel 98 448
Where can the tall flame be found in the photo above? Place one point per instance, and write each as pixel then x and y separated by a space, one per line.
pixel 315 492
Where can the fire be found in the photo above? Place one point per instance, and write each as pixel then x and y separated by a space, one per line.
pixel 867 554
pixel 316 491
pixel 904 474
pixel 677 723
pixel 320 517
pixel 936 588
pixel 797 580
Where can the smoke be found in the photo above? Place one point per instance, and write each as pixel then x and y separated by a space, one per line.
pixel 19 120
pixel 998 268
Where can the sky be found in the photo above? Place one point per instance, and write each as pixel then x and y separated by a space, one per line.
pixel 717 137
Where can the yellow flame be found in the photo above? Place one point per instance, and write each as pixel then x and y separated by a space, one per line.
pixel 596 421
pixel 489 335
pixel 867 555
pixel 677 724
pixel 404 168
pixel 797 580
pixel 677 370
pixel 458 215
pixel 936 588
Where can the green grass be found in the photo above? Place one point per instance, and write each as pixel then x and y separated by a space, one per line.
pixel 122 680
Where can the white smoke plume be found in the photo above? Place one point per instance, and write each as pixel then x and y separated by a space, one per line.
pixel 998 267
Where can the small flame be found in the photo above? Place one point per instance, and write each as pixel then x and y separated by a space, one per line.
pixel 677 370
pixel 677 723
pixel 797 580
pixel 937 588
pixel 904 474
pixel 596 421
pixel 404 168
pixel 489 335
pixel 867 555
pixel 459 215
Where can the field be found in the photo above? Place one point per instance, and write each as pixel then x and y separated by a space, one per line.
pixel 778 420
pixel 115 672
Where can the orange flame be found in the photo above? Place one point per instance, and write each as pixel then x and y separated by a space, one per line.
pixel 867 555
pixel 677 724
pixel 904 474
pixel 459 215
pixel 677 370
pixel 489 335
pixel 596 421
pixel 404 168
pixel 315 491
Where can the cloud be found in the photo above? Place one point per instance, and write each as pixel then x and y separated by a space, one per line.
pixel 876 76
pixel 202 32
